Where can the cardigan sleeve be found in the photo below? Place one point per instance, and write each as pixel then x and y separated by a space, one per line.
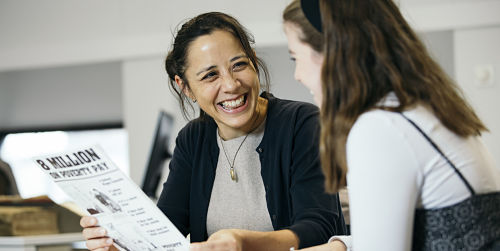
pixel 177 186
pixel 316 215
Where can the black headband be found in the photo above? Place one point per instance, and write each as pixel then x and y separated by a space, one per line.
pixel 312 13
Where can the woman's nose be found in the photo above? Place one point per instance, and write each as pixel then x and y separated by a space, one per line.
pixel 230 82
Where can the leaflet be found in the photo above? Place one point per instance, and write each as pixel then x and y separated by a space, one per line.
pixel 101 189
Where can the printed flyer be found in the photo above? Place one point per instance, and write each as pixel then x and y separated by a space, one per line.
pixel 100 188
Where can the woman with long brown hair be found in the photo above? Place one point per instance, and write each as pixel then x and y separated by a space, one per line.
pixel 399 133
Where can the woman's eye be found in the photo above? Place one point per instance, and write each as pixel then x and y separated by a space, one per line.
pixel 209 75
pixel 240 65
pixel 292 58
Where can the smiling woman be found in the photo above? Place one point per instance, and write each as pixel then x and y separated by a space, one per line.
pixel 224 82
pixel 245 175
pixel 201 27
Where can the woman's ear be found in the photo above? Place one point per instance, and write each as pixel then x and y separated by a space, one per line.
pixel 184 89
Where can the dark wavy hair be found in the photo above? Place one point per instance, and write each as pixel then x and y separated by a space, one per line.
pixel 205 24
pixel 370 50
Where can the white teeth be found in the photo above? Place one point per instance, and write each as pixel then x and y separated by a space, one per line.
pixel 234 103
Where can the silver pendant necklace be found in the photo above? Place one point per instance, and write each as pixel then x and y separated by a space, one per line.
pixel 232 172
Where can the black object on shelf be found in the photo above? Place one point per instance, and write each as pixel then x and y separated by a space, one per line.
pixel 158 154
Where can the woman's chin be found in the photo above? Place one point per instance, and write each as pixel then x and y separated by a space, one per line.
pixel 317 100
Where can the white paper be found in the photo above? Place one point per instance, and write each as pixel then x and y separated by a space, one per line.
pixel 100 188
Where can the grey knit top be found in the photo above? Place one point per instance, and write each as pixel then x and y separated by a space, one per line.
pixel 241 203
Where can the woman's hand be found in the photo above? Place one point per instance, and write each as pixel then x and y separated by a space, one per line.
pixel 223 240
pixel 239 240
pixel 335 245
pixel 96 238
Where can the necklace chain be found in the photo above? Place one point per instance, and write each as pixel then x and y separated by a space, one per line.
pixel 231 170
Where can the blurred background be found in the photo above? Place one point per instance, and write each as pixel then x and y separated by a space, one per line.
pixel 98 65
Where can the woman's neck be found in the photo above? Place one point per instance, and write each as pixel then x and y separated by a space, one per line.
pixel 253 123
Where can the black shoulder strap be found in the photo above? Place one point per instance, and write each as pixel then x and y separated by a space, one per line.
pixel 469 187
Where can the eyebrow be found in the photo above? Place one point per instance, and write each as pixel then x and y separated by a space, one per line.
pixel 213 66
pixel 238 57
pixel 205 69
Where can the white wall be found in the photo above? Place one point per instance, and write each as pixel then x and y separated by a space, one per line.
pixel 438 15
pixel 60 32
pixel 81 95
pixel 440 46
pixel 479 47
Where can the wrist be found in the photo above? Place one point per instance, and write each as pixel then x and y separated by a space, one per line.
pixel 266 241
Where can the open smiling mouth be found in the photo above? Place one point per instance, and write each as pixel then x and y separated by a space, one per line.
pixel 230 105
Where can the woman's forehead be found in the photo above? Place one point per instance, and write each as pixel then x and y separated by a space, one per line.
pixel 218 45
pixel 218 39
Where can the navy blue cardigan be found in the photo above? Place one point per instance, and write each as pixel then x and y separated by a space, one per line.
pixel 290 168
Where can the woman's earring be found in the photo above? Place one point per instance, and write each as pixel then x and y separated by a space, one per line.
pixel 194 100
pixel 312 93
